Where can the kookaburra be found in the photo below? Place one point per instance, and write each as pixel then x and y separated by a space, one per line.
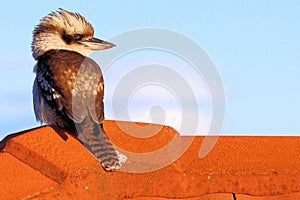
pixel 68 89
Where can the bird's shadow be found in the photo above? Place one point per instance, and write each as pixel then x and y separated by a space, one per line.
pixel 5 140
pixel 60 132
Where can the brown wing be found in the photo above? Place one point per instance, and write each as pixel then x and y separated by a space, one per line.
pixel 77 83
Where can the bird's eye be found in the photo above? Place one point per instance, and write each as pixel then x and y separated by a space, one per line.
pixel 77 36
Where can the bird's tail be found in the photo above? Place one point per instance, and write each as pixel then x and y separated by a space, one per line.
pixel 95 140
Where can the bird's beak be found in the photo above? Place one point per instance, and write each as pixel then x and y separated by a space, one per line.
pixel 97 44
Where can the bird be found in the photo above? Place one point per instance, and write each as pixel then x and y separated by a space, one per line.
pixel 68 90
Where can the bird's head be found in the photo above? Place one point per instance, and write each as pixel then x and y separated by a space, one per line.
pixel 65 30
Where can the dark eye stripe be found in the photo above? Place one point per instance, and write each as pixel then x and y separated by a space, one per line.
pixel 71 38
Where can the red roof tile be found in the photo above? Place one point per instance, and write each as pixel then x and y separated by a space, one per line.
pixel 43 164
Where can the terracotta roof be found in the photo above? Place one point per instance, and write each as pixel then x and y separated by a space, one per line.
pixel 44 163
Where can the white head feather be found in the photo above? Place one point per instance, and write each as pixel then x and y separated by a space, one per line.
pixel 54 30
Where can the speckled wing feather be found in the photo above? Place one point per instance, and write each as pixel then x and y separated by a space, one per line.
pixel 72 88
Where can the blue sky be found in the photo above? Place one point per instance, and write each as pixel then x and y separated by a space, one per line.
pixel 254 45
